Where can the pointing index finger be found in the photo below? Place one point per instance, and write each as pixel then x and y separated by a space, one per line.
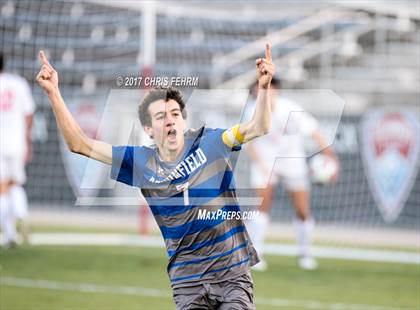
pixel 43 58
pixel 268 52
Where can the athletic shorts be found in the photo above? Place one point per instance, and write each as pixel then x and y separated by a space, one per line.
pixel 12 168
pixel 292 173
pixel 232 294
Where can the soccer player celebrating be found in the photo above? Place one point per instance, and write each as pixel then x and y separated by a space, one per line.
pixel 183 174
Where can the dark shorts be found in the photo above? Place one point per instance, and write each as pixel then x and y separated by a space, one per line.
pixel 236 293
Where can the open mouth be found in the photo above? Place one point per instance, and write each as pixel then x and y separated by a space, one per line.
pixel 172 135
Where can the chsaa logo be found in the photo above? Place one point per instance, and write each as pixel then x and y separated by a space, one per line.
pixel 390 149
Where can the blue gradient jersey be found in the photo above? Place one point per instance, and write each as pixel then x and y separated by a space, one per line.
pixel 209 249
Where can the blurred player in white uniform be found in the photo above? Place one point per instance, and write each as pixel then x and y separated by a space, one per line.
pixel 284 146
pixel 16 114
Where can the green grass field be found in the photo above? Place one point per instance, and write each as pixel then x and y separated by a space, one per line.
pixel 135 278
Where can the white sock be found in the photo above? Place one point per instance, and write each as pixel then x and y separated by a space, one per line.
pixel 257 229
pixel 19 201
pixel 7 220
pixel 304 230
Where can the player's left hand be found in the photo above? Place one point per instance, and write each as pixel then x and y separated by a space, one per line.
pixel 265 68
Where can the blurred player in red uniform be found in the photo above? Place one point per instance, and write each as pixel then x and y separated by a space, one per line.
pixel 284 146
pixel 16 114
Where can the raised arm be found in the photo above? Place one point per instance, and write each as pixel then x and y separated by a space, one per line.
pixel 261 120
pixel 76 140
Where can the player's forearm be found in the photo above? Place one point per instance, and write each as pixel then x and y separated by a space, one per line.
pixel 71 131
pixel 262 114
pixel 261 119
pixel 322 142
pixel 76 140
pixel 329 152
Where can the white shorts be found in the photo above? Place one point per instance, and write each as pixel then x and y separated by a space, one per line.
pixel 12 168
pixel 292 173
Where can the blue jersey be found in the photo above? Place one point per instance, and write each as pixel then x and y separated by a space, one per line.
pixel 190 199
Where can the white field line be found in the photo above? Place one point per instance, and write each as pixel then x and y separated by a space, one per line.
pixel 150 292
pixel 271 248
pixel 347 253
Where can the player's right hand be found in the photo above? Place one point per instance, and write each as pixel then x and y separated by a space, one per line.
pixel 47 77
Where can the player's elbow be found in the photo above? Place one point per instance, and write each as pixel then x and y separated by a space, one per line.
pixel 79 147
pixel 74 147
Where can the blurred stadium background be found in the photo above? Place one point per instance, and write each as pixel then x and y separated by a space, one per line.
pixel 367 52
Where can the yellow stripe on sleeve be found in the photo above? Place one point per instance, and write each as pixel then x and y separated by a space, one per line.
pixel 232 137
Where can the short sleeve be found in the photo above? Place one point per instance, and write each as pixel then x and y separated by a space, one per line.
pixel 128 164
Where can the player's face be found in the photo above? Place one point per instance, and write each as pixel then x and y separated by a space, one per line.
pixel 168 125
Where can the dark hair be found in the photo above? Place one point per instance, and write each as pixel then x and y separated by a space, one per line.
pixel 159 93
pixel 1 62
